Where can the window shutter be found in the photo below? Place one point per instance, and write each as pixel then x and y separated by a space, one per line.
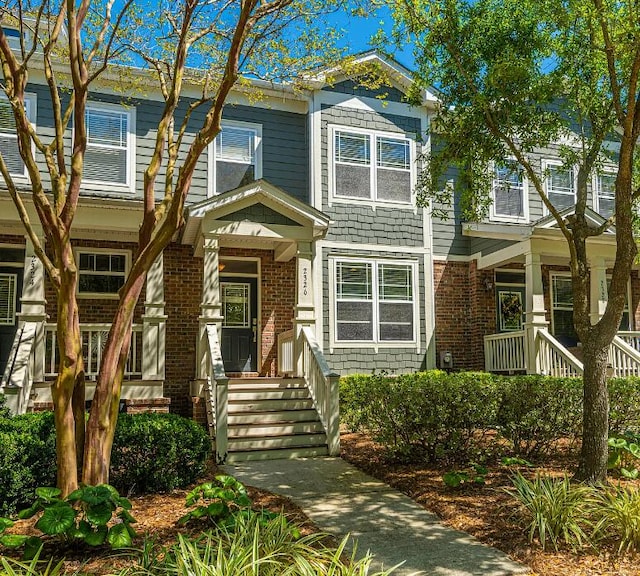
pixel 8 285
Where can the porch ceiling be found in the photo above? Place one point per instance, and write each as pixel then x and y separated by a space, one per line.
pixel 259 215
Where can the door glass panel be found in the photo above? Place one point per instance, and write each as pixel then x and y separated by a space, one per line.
pixel 235 305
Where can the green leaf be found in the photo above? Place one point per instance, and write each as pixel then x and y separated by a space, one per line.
pixel 631 474
pixel 119 537
pixel 243 500
pixel 97 536
pixel 617 442
pixel 31 511
pixel 99 514
pixel 453 479
pixel 185 519
pixel 125 503
pixel 96 494
pixel 13 540
pixel 32 547
pixel 56 519
pixel 216 509
pixel 5 523
pixel 75 495
pixel 634 449
pixel 48 493
pixel 126 516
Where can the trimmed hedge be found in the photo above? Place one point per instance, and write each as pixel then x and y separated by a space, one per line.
pixel 151 453
pixel 434 415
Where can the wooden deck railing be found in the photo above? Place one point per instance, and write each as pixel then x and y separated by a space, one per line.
pixel 554 359
pixel 505 352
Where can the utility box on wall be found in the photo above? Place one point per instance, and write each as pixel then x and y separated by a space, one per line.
pixel 446 360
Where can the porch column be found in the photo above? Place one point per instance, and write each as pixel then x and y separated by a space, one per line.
pixel 598 289
pixel 535 314
pixel 305 309
pixel 154 324
pixel 210 305
pixel 33 306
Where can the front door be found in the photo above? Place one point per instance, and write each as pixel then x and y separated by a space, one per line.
pixel 10 290
pixel 239 298
pixel 510 308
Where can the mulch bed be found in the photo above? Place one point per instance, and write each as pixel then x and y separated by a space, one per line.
pixel 486 511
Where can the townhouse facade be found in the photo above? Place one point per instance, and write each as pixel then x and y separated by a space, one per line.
pixel 303 255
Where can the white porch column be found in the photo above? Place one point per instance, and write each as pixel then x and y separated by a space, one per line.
pixel 210 305
pixel 305 308
pixel 535 314
pixel 598 289
pixel 154 324
pixel 33 306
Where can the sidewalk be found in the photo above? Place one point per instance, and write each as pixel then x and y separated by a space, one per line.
pixel 342 500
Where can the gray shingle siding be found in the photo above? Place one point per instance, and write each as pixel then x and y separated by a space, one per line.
pixel 383 93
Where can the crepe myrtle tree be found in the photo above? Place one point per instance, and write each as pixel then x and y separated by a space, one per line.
pixel 515 76
pixel 76 46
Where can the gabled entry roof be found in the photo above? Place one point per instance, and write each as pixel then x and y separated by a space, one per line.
pixel 591 215
pixel 259 211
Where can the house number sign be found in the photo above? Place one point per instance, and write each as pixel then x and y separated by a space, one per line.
pixel 305 282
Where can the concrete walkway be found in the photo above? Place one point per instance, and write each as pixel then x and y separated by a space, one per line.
pixel 341 500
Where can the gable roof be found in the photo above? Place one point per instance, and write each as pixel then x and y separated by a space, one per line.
pixel 549 221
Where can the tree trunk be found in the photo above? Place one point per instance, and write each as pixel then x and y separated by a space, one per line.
pixel 592 467
pixel 103 418
pixel 68 388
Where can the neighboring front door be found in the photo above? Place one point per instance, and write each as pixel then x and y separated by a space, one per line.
pixel 239 298
pixel 510 308
pixel 10 291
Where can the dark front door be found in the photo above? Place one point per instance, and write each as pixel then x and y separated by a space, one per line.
pixel 239 298
pixel 10 291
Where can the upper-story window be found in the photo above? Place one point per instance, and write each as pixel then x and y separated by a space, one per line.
pixel 9 136
pixel 110 155
pixel 605 194
pixel 509 193
pixel 371 166
pixel 101 273
pixel 560 185
pixel 237 156
pixel 375 301
pixel 13 37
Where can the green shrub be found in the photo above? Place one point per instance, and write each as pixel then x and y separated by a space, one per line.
pixel 536 411
pixel 624 405
pixel 426 415
pixel 157 452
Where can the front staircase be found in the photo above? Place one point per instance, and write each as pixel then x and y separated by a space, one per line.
pixel 272 418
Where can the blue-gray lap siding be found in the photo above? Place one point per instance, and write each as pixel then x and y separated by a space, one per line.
pixel 348 360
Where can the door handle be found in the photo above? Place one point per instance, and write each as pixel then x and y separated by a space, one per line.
pixel 255 329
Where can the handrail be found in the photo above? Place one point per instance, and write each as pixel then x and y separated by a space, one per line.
pixel 217 395
pixel 505 352
pixel 631 337
pixel 624 359
pixel 323 387
pixel 18 373
pixel 554 358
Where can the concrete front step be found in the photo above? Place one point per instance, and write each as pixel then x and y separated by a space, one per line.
pixel 276 442
pixel 249 394
pixel 275 429
pixel 281 454
pixel 276 416
pixel 240 383
pixel 238 406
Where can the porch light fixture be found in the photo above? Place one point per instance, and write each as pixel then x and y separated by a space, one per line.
pixel 221 266
pixel 488 285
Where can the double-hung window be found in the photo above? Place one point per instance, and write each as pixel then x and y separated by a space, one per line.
pixel 562 309
pixel 375 301
pixel 101 273
pixel 9 137
pixel 8 298
pixel 237 156
pixel 509 192
pixel 109 158
pixel 606 194
pixel 560 185
pixel 371 166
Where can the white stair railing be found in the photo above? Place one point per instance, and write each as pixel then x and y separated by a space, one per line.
pixel 323 387
pixel 554 359
pixel 624 359
pixel 631 337
pixel 217 396
pixel 505 352
pixel 286 353
pixel 18 375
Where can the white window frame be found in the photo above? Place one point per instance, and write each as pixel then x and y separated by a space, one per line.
pixel 101 295
pixel 257 150
pixel 108 185
pixel 557 163
pixel 596 185
pixel 493 215
pixel 376 342
pixel 31 107
pixel 373 166
pixel 552 276
pixel 13 281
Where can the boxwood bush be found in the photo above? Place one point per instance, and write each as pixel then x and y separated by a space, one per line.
pixel 151 453
pixel 433 415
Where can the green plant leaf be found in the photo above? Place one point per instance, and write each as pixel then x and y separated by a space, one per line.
pixel 216 509
pixel 119 537
pixel 5 523
pixel 634 449
pixel 32 547
pixel 617 442
pixel 31 511
pixel 454 478
pixel 48 493
pixel 126 516
pixel 96 494
pixel 97 536
pixel 99 514
pixel 56 519
pixel 75 495
pixel 632 474
pixel 125 503
pixel 13 540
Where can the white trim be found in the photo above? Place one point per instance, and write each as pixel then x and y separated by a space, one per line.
pixel 546 163
pixel 493 216
pixel 366 103
pixel 352 246
pixel 373 136
pixel 89 250
pixel 211 153
pixel 31 106
pixel 315 152
pixel 453 258
pixel 375 303
pixel 107 185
